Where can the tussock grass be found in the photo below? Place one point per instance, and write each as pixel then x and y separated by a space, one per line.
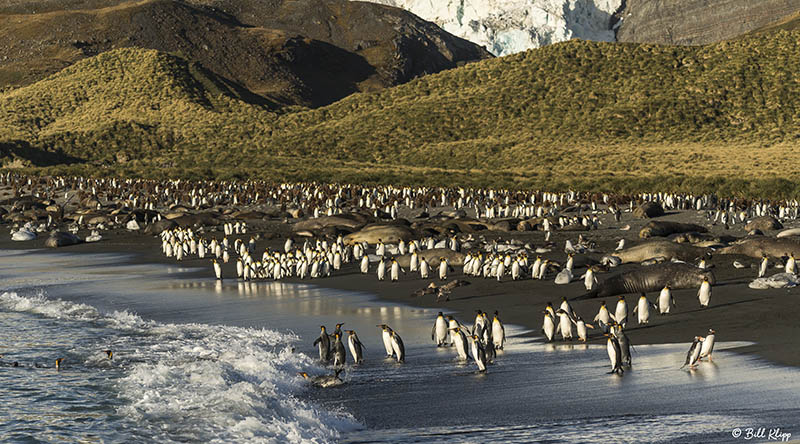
pixel 618 117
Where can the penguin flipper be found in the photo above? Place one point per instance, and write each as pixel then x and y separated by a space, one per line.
pixel 317 341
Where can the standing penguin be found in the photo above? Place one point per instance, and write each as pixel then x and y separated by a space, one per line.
pixel 338 329
pixel 694 353
pixel 564 324
pixel 589 280
pixel 324 344
pixel 443 269
pixel 762 270
pixel 621 312
pixel 439 330
pixel 498 332
pixel 580 326
pixel 602 317
pixel 356 347
pixel 381 269
pixel 614 354
pixel 708 345
pixel 396 269
pixel 424 269
pixel 643 310
pixel 478 353
pixel 791 265
pixel 339 356
pixel 565 305
pixel 549 326
pixel 460 341
pixel 364 264
pixel 665 300
pixel 624 344
pixel 704 293
pixel 386 334
pixel 398 347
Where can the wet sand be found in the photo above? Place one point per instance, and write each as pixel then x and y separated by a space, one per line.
pixel 768 318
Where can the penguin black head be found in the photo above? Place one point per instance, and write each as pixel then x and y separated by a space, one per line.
pixel 440 314
pixel 303 374
pixel 711 331
pixel 58 363
pixel 339 325
pixel 110 354
pixel 602 303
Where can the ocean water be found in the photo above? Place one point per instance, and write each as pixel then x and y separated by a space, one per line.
pixel 197 360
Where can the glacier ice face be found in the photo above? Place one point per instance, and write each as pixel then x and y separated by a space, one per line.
pixel 508 26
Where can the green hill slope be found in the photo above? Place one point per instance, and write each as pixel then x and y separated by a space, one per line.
pixel 622 116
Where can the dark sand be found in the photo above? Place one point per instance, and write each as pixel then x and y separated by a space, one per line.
pixel 766 317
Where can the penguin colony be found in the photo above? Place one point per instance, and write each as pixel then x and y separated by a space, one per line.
pixel 211 220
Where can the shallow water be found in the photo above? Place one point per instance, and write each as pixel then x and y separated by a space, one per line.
pixel 207 361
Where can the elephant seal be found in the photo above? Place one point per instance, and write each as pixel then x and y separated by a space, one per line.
pixel 763 223
pixel 61 239
pixel 761 246
pixel 659 248
pixel 353 221
pixel 789 232
pixel 432 256
pixel 648 210
pixel 661 228
pixel 371 234
pixel 651 278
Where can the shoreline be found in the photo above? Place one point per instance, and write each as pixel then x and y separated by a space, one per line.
pixel 738 313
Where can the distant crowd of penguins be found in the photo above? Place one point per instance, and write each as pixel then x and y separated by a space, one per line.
pixel 481 343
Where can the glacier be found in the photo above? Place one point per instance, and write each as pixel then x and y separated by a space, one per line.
pixel 509 26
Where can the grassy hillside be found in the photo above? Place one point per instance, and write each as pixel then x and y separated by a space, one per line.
pixel 617 116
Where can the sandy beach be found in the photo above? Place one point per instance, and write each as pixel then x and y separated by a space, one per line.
pixel 765 317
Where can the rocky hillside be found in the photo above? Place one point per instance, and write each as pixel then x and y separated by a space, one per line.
pixel 308 52
pixel 693 22
pixel 579 113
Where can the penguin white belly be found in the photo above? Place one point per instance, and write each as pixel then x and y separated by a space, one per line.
pixel 549 327
pixel 566 326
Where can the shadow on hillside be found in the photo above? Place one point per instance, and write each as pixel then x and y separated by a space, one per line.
pixel 20 149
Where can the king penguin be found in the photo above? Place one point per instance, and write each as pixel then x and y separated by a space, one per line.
pixel 356 347
pixel 324 344
pixel 708 345
pixel 439 331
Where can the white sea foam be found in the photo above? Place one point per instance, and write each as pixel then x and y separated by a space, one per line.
pixel 196 382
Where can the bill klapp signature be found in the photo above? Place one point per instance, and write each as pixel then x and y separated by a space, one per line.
pixel 761 433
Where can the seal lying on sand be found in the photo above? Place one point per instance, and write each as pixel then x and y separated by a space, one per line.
pixel 61 239
pixel 662 228
pixel 454 259
pixel 371 234
pixel 659 249
pixel 764 246
pixel 652 278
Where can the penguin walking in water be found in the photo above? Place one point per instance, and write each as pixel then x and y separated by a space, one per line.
pixel 398 347
pixel 109 354
pixel 549 326
pixel 708 345
pixel 217 269
pixel 460 342
pixel 478 353
pixel 498 332
pixel 439 331
pixel 694 353
pixel 356 347
pixel 387 339
pixel 323 342
pixel 624 344
pixel 665 300
pixel 339 356
pixel 614 354
pixel 338 329
pixel 59 363
pixel 704 293
pixel 642 309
